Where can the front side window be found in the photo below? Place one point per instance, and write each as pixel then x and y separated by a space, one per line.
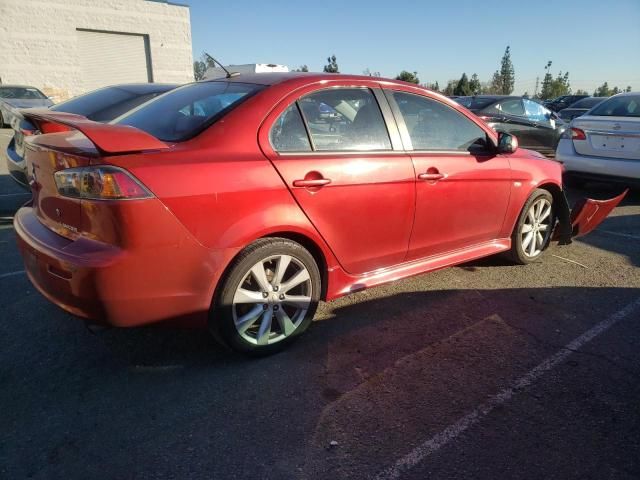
pixel 344 119
pixel 623 106
pixel 288 133
pixel 186 111
pixel 536 112
pixel 22 93
pixel 435 126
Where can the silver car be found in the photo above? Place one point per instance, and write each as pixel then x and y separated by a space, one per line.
pixel 13 97
pixel 604 143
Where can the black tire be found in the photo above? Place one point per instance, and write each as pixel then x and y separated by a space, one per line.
pixel 517 253
pixel 267 252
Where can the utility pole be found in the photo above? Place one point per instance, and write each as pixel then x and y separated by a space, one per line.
pixel 535 93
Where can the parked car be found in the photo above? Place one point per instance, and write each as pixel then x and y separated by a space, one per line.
pixel 563 101
pixel 102 105
pixel 220 203
pixel 13 97
pixel 604 143
pixel 579 108
pixel 536 127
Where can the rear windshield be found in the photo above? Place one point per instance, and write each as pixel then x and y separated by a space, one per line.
pixel 188 110
pixel 587 102
pixel 23 93
pixel 108 103
pixel 474 103
pixel 623 106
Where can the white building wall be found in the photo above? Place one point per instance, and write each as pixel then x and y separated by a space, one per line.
pixel 38 39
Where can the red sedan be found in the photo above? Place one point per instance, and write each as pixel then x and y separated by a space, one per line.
pixel 227 204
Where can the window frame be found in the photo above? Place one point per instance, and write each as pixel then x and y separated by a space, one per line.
pixel 388 119
pixel 406 137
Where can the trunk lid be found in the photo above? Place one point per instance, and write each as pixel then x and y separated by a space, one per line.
pixel 611 137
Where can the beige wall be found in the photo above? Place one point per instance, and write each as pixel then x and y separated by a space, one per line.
pixel 38 40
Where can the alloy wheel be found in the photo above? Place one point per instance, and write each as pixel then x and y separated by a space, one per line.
pixel 536 228
pixel 272 300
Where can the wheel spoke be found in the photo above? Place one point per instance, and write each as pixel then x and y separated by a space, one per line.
pixel 526 228
pixel 543 227
pixel 527 240
pixel 532 247
pixel 283 264
pixel 248 319
pixel 545 212
pixel 261 276
pixel 300 277
pixel 286 325
pixel 299 301
pixel 540 241
pixel 247 296
pixel 265 328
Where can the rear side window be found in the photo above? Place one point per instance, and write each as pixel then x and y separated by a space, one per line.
pixel 288 133
pixel 510 107
pixel 435 126
pixel 623 106
pixel 186 111
pixel 345 119
pixel 536 112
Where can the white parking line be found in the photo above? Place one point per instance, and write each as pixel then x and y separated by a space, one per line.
pixel 10 274
pixel 441 439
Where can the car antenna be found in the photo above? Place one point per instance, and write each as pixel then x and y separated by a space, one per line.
pixel 229 74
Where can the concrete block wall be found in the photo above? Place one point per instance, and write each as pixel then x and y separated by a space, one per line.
pixel 38 39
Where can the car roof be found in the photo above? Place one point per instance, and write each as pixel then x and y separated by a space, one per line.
pixel 273 78
pixel 144 87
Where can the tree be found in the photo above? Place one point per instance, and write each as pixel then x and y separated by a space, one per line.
pixel 474 84
pixel 507 73
pixel 369 73
pixel 602 91
pixel 411 77
pixel 581 92
pixel 495 85
pixel 628 89
pixel 462 88
pixel 332 65
pixel 545 92
pixel 200 67
pixel 451 85
pixel 432 86
pixel 301 68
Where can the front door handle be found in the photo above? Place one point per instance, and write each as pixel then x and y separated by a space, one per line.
pixel 311 182
pixel 431 176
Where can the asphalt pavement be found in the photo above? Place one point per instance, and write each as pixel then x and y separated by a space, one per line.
pixel 482 371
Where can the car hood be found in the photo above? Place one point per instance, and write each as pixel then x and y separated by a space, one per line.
pixel 533 154
pixel 27 103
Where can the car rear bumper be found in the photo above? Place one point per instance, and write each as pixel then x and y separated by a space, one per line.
pixel 621 170
pixel 113 286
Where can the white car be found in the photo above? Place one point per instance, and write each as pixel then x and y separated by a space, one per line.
pixel 604 143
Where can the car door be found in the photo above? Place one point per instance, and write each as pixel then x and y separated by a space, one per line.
pixel 462 188
pixel 508 115
pixel 343 162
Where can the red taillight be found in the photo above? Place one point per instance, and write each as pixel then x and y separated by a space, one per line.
pixel 51 127
pixel 100 183
pixel 577 134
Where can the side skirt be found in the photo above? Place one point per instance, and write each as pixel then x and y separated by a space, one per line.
pixel 341 283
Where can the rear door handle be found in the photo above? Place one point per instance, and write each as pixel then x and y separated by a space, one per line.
pixel 431 176
pixel 312 182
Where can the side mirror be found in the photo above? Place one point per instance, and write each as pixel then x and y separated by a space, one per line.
pixel 507 143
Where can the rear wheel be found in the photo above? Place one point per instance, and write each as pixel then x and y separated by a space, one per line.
pixel 533 231
pixel 268 298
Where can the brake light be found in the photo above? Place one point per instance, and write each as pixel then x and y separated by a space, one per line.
pixel 577 134
pixel 51 127
pixel 99 183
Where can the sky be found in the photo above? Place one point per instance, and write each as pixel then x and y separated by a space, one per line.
pixel 596 41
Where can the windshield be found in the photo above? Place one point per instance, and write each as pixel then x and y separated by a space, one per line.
pixel 475 103
pixel 23 93
pixel 623 106
pixel 188 110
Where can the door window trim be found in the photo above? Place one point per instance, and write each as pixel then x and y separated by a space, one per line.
pixel 404 131
pixel 387 117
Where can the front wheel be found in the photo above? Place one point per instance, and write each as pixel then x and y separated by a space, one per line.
pixel 268 297
pixel 532 233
